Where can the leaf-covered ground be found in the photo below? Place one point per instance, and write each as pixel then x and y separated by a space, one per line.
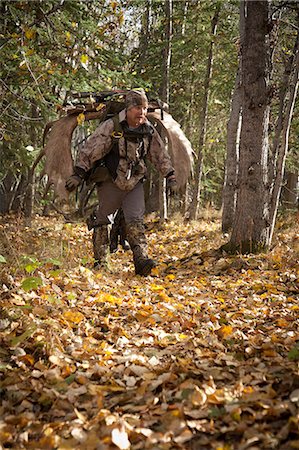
pixel 201 355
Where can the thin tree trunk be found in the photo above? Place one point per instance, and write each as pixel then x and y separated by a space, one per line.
pixel 290 190
pixel 8 187
pixel 283 148
pixel 232 159
pixel 203 122
pixel 233 143
pixel 250 231
pixel 284 91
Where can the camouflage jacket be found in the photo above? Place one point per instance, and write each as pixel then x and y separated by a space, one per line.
pixel 131 166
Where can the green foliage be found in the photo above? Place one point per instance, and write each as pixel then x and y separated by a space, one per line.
pixel 293 354
pixel 31 283
pixel 2 259
pixel 50 48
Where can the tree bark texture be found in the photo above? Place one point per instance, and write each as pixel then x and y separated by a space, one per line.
pixel 290 192
pixel 193 212
pixel 229 196
pixel 232 159
pixel 250 231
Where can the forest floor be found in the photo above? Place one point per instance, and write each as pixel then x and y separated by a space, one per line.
pixel 203 354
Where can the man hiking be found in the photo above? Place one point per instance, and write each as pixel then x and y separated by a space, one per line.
pixel 123 143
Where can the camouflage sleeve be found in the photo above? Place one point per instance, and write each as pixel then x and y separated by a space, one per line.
pixel 97 146
pixel 159 156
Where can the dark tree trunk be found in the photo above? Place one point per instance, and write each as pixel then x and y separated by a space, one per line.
pixel 251 231
pixel 8 189
pixel 290 193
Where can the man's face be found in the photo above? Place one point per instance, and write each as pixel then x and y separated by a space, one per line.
pixel 136 116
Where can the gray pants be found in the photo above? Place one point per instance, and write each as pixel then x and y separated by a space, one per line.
pixel 111 198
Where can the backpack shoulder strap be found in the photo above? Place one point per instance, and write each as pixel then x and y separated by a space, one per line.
pixel 117 132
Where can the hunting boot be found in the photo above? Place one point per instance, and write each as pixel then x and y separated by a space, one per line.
pixel 136 237
pixel 100 246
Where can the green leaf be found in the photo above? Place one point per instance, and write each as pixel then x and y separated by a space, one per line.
pixel 54 261
pixel 30 264
pixel 293 354
pixel 2 259
pixel 19 339
pixel 28 284
pixel 216 412
pixel 70 378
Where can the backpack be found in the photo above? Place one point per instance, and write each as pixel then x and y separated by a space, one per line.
pixel 106 168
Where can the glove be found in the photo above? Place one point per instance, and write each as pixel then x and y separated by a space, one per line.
pixel 171 182
pixel 73 182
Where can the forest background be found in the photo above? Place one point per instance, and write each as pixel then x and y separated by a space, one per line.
pixel 184 51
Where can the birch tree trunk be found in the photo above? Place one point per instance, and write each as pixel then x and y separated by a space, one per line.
pixel 232 159
pixel 232 144
pixel 193 211
pixel 251 231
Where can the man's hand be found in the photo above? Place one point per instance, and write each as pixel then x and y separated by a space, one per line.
pixel 73 182
pixel 171 183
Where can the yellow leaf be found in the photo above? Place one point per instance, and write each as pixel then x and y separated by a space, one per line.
pixel 30 34
pixel 226 331
pixel 7 137
pixel 81 119
pixel 73 316
pixel 248 390
pixel 100 106
pixel 282 323
pixel 155 271
pixel 170 277
pixel 113 5
pixel 121 18
pixel 157 287
pixel 84 59
pixel 103 297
